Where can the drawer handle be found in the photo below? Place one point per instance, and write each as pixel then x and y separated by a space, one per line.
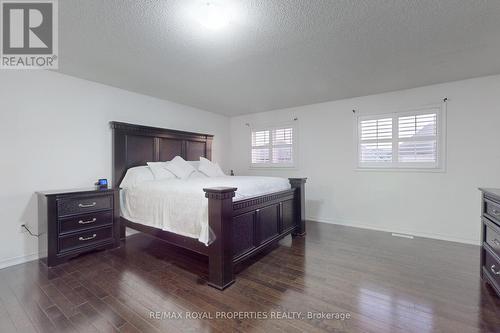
pixel 93 220
pixel 497 242
pixel 496 212
pixel 87 205
pixel 493 270
pixel 92 237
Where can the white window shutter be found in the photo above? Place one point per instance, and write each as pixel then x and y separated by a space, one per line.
pixel 260 147
pixel 401 140
pixel 375 140
pixel 273 147
pixel 418 138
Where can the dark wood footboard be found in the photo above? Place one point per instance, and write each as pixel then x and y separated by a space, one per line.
pixel 243 228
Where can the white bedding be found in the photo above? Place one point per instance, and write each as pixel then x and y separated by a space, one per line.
pixel 180 206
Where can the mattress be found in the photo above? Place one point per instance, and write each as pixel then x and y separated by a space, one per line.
pixel 180 206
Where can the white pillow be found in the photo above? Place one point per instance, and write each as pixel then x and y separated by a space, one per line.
pixel 195 164
pixel 197 174
pixel 180 168
pixel 160 171
pixel 136 176
pixel 210 169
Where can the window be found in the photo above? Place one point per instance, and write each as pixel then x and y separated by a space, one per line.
pixel 273 147
pixel 412 139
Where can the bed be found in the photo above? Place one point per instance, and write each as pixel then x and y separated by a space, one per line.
pixel 240 222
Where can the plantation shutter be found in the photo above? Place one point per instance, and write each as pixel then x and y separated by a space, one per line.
pixel 417 138
pixel 376 140
pixel 273 147
pixel 400 140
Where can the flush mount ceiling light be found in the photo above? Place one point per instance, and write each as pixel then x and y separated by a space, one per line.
pixel 213 15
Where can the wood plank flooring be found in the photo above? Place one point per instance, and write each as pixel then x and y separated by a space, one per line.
pixel 385 284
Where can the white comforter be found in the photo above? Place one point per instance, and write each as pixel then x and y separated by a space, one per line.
pixel 180 206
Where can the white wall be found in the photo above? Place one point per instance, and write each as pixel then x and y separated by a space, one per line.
pixel 54 134
pixel 438 205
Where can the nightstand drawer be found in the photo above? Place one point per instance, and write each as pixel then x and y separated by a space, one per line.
pixel 492 235
pixel 85 238
pixel 85 221
pixel 492 267
pixel 492 210
pixel 82 205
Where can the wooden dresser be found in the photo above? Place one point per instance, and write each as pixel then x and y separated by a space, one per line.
pixel 76 221
pixel 490 237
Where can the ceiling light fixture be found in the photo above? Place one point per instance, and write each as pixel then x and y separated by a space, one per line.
pixel 212 15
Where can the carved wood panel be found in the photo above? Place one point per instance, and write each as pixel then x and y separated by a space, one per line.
pixel 140 150
pixel 287 215
pixel 268 222
pixel 194 150
pixel 243 233
pixel 169 148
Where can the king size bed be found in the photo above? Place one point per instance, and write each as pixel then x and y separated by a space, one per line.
pixel 228 219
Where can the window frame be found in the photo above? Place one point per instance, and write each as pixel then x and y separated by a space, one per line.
pixel 270 128
pixel 395 165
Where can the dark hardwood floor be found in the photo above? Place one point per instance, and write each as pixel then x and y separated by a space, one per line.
pixel 386 284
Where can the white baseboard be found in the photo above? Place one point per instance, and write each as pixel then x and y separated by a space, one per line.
pixel 399 231
pixel 19 260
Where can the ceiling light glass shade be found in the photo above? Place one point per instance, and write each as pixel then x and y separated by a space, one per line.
pixel 211 15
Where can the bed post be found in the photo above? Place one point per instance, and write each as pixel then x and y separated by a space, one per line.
pixel 220 251
pixel 300 216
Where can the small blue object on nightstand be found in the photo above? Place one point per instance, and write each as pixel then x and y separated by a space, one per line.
pixel 102 184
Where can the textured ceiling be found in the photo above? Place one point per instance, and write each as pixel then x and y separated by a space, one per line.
pixel 278 53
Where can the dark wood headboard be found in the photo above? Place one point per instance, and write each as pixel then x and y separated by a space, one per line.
pixel 135 145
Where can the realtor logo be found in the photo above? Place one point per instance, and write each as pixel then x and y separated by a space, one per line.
pixel 29 34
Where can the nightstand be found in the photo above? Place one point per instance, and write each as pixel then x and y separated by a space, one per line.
pixel 73 222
